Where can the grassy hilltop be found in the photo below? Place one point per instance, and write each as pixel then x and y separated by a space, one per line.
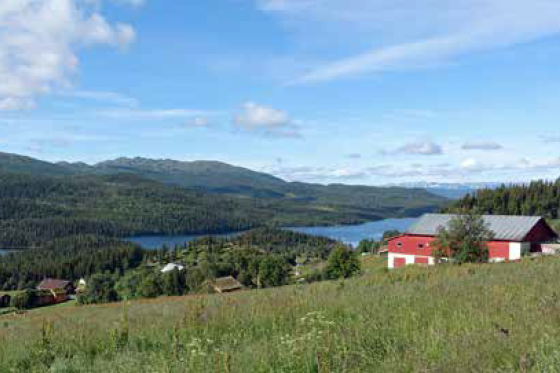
pixel 483 318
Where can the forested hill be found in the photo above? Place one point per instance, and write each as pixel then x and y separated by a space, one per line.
pixel 539 198
pixel 36 209
pixel 221 178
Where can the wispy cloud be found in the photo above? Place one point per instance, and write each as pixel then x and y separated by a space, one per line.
pixel 406 35
pixel 521 169
pixel 421 148
pixel 481 145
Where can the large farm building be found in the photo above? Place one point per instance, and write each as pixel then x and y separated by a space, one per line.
pixel 513 236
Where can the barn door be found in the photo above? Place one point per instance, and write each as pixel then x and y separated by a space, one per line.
pixel 399 262
pixel 420 260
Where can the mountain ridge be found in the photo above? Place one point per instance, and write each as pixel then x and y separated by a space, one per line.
pixel 214 177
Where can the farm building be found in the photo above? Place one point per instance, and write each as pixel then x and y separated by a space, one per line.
pixel 513 237
pixel 53 284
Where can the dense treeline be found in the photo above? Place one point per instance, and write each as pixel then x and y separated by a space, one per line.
pixel 35 209
pixel 69 258
pixel 539 198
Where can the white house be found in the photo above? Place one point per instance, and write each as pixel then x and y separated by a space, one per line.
pixel 171 267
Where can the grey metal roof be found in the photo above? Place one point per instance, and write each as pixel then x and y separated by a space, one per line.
pixel 505 227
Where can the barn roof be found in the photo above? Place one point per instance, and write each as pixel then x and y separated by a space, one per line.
pixel 505 227
pixel 51 284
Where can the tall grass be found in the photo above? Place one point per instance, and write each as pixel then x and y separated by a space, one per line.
pixel 471 318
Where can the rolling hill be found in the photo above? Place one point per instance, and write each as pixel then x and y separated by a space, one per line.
pixel 345 203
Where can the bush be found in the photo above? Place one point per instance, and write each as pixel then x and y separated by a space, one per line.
pixel 23 300
pixel 342 263
pixel 100 289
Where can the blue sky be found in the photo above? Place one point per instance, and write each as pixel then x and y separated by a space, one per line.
pixel 362 92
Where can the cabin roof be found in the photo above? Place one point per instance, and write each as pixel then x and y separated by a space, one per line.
pixel 51 284
pixel 505 227
pixel 226 283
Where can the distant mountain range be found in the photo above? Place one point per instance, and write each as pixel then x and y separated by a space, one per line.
pixel 450 190
pixel 364 202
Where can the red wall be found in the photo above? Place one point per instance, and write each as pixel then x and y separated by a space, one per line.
pixel 497 249
pixel 410 245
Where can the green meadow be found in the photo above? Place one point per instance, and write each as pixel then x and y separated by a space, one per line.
pixel 469 318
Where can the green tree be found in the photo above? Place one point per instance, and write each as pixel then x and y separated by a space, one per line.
pixel 273 271
pixel 100 289
pixel 464 239
pixel 150 287
pixel 23 300
pixel 342 263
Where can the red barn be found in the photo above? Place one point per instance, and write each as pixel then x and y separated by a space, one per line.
pixel 513 236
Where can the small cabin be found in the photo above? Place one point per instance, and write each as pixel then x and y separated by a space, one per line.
pixel 226 285
pixel 514 236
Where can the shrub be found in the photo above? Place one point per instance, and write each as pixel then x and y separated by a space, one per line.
pixel 342 263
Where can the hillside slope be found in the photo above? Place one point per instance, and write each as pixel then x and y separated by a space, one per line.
pixel 13 163
pixel 472 318
pixel 307 202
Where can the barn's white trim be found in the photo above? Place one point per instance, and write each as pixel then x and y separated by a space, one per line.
pixel 517 249
pixel 409 259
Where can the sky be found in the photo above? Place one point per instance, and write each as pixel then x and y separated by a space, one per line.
pixel 369 92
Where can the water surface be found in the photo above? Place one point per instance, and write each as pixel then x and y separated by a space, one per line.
pixel 349 234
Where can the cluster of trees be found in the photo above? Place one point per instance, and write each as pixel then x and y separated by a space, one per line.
pixel 260 258
pixel 538 198
pixel 69 258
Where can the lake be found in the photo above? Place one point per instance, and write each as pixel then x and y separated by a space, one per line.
pixel 350 234
pixel 6 252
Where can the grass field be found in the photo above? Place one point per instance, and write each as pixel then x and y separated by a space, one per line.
pixel 470 318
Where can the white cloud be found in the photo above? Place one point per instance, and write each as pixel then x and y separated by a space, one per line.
pixel 265 120
pixel 391 35
pixel 39 41
pixel 421 148
pixel 254 116
pixel 481 145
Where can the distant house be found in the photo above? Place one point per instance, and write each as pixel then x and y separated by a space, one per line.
pixel 513 237
pixel 54 284
pixel 226 285
pixel 172 267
